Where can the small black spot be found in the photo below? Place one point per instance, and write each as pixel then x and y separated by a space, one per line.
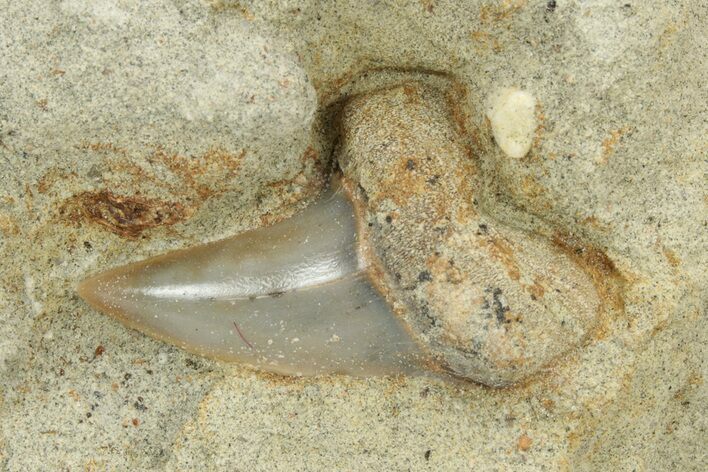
pixel 88 246
pixel 276 294
pixel 483 228
pixel 139 405
pixel 433 180
pixel 363 192
pixel 410 164
pixel 500 308
pixel 427 454
pixel 389 219
pixel 425 310
pixel 192 363
pixel 425 276
pixel 551 5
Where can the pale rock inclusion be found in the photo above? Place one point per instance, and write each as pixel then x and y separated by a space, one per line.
pixel 411 278
pixel 512 113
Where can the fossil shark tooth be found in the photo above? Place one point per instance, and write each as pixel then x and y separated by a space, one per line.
pixel 293 298
pixel 399 273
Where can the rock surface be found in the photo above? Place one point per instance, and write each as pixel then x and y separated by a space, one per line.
pixel 107 155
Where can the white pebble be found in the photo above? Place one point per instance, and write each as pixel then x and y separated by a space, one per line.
pixel 512 114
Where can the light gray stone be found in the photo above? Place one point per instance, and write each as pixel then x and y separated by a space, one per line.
pixel 135 99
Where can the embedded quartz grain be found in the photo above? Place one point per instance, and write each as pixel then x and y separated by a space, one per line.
pixel 492 303
pixel 512 114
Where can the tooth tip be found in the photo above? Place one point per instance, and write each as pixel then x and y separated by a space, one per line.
pixel 99 289
pixel 88 293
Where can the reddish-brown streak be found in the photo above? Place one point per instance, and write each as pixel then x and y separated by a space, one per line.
pixel 238 330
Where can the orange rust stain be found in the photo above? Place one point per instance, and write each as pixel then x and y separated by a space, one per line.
pixel 205 175
pixel 536 289
pixel 500 348
pixel 693 381
pixel 499 10
pixel 531 188
pixel 671 257
pixel 524 442
pixel 667 36
pixel 23 388
pixel 485 41
pixel 99 351
pixel 428 5
pixel 456 97
pixel 403 182
pixel 103 147
pixel 501 251
pixel 124 211
pixel 332 88
pixel 138 176
pixel 8 226
pixel 594 222
pixel 51 177
pixel 126 216
pixel 224 5
pixel 608 144
pixel 442 268
pixel 532 192
pixel 540 131
pixel 43 104
pixel 29 198
pixel 608 281
pixel 411 93
pixel 548 404
pixel 193 170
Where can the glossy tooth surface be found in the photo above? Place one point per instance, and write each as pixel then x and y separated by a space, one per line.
pixel 291 298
